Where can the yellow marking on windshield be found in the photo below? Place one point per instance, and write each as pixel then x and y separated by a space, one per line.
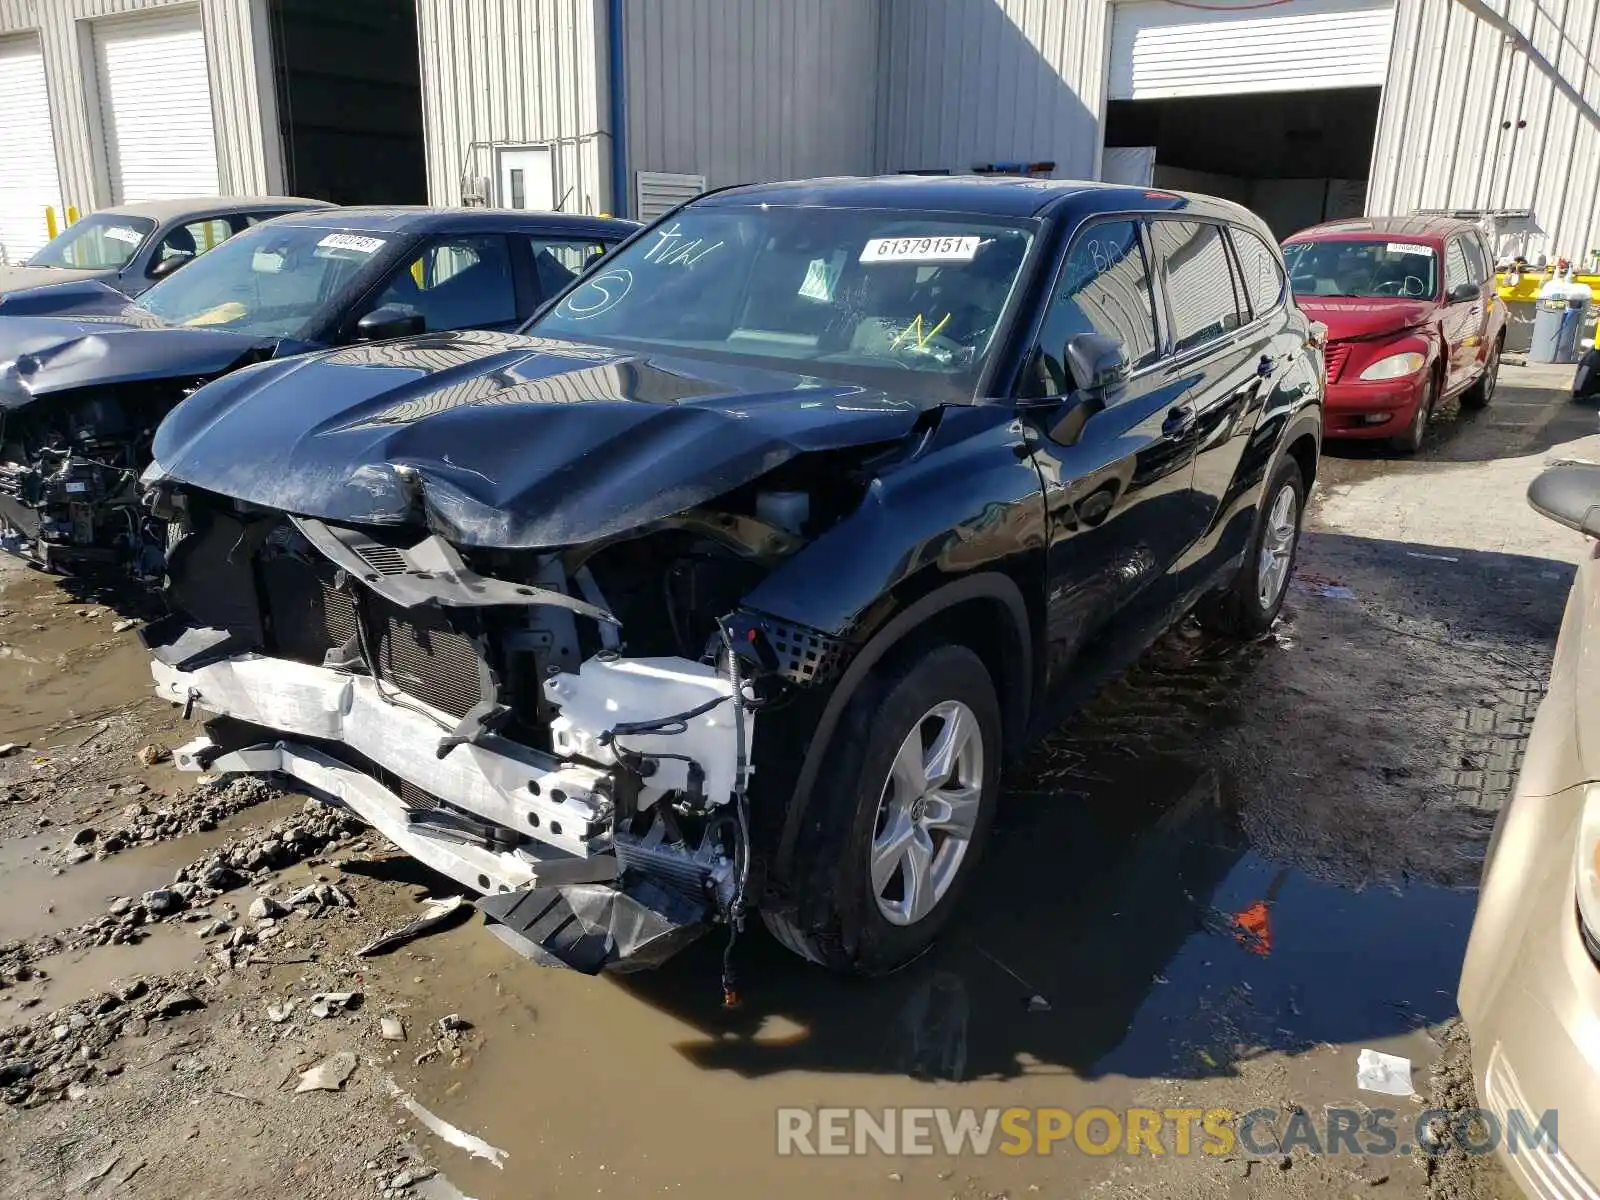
pixel 221 314
pixel 915 329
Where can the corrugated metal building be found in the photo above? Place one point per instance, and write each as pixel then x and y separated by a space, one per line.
pixel 1304 109
pixel 111 101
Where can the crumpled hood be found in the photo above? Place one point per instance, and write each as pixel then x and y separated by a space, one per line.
pixel 1365 318
pixel 42 355
pixel 17 282
pixel 505 440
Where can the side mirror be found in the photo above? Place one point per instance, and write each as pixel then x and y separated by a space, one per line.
pixel 166 266
pixel 1463 292
pixel 389 321
pixel 1569 494
pixel 1098 366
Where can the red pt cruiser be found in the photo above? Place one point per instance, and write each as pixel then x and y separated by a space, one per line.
pixel 1412 319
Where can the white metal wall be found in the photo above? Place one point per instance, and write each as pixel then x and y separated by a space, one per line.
pixel 740 91
pixel 1161 50
pixel 963 82
pixel 1495 104
pixel 515 72
pixel 238 63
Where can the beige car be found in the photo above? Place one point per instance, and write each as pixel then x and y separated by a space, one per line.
pixel 1530 988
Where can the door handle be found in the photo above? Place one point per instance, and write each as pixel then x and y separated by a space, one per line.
pixel 1178 421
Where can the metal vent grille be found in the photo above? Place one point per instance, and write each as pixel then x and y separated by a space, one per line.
pixel 1336 355
pixel 385 560
pixel 804 655
pixel 656 192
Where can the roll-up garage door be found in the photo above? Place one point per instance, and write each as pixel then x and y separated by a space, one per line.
pixel 28 179
pixel 1161 49
pixel 155 106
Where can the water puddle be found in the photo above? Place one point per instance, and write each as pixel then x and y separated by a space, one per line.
pixel 71 977
pixel 34 900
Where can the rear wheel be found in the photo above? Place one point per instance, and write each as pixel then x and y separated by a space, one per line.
pixel 1480 393
pixel 905 803
pixel 1250 606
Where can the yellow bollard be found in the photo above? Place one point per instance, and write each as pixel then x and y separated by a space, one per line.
pixel 50 222
pixel 72 216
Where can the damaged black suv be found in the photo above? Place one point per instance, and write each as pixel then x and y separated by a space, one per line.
pixel 734 580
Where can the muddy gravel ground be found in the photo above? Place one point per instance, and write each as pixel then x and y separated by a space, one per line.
pixel 1238 868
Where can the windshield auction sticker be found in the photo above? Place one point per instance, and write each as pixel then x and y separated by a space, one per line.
pixel 121 233
pixel 351 241
pixel 1408 248
pixel 920 249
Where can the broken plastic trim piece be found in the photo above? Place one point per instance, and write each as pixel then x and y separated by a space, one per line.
pixel 593 927
pixel 431 572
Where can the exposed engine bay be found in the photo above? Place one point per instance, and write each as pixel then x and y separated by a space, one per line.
pixel 568 732
pixel 69 477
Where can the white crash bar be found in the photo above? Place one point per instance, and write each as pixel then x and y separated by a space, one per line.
pixel 473 866
pixel 500 780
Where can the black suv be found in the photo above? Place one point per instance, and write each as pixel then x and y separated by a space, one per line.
pixel 733 581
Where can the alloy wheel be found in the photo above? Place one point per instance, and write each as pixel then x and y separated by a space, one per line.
pixel 927 813
pixel 1277 546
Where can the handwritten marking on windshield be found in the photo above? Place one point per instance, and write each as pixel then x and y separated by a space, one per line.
pixel 599 295
pixel 671 249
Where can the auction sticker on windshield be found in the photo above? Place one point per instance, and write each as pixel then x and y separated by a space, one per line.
pixel 920 249
pixel 351 241
pixel 1408 248
pixel 119 233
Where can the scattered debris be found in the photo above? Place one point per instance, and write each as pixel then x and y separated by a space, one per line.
pixel 1036 1002
pixel 263 907
pixel 325 1004
pixel 459 1138
pixel 154 753
pixel 279 1013
pixel 123 626
pixel 1327 589
pixel 434 914
pixel 239 1095
pixel 10 748
pixel 1386 1073
pixel 175 1002
pixel 99 1173
pixel 453 1022
pixel 391 1029
pixel 328 1075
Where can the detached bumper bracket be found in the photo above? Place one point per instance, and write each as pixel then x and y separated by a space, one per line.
pixel 595 927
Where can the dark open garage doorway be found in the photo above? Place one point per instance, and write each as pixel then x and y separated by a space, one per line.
pixel 349 100
pixel 1296 158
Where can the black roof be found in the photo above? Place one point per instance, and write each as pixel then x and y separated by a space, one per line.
pixel 994 195
pixel 419 219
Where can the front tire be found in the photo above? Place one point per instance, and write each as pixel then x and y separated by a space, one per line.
pixel 1250 606
pixel 902 811
pixel 1410 441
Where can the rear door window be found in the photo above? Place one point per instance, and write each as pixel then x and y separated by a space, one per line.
pixel 1103 287
pixel 1193 260
pixel 1456 270
pixel 558 261
pixel 1477 269
pixel 461 282
pixel 1263 277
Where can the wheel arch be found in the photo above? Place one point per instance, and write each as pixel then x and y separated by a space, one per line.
pixel 984 611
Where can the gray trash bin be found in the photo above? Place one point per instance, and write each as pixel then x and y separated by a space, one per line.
pixel 1556 323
